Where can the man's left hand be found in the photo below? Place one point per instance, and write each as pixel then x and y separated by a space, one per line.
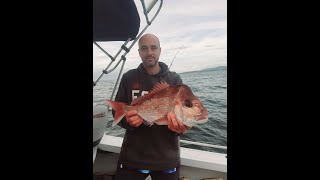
pixel 176 125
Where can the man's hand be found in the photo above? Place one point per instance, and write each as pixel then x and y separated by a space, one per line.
pixel 176 125
pixel 133 119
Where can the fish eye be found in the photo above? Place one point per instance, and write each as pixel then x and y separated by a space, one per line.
pixel 188 103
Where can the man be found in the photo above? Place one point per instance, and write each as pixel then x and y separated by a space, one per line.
pixel 154 150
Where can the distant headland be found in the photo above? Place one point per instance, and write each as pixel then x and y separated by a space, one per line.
pixel 219 68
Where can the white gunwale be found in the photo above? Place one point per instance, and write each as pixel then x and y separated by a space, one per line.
pixel 189 157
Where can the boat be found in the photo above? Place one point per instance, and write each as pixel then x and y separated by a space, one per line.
pixel 119 20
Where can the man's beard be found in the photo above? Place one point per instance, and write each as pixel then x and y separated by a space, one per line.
pixel 150 64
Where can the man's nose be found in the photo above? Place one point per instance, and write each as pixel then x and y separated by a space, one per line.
pixel 149 51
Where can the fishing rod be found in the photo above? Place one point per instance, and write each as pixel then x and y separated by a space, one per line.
pixel 175 56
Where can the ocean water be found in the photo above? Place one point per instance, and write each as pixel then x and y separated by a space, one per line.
pixel 210 86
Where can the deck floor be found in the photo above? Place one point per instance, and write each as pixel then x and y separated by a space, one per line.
pixel 104 168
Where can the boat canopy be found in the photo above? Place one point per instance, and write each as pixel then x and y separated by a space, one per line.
pixel 115 20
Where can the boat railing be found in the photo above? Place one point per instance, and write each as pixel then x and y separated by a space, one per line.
pixel 203 144
pixel 189 156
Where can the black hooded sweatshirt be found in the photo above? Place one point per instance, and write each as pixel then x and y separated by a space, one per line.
pixel 144 147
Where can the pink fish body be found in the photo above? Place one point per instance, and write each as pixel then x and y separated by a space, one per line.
pixel 163 98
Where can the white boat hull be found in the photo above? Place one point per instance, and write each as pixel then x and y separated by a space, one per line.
pixel 100 118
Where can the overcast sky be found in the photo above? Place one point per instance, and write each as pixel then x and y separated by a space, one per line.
pixel 198 26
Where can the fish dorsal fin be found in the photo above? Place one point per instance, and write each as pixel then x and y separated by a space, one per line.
pixel 158 87
pixel 155 89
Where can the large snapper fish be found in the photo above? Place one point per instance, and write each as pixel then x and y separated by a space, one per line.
pixel 163 98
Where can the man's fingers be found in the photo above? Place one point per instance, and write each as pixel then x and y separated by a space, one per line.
pixel 139 123
pixel 132 113
pixel 182 127
pixel 174 122
pixel 176 125
pixel 135 123
pixel 170 125
pixel 133 118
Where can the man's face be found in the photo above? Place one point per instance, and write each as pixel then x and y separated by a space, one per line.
pixel 149 51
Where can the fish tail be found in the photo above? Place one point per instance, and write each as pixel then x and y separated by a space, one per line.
pixel 119 110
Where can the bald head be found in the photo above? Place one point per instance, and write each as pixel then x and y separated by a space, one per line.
pixel 149 37
pixel 149 51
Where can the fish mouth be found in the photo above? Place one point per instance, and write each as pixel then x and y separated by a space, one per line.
pixel 193 122
pixel 202 121
pixel 202 116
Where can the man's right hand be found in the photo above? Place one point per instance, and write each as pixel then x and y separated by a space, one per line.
pixel 133 118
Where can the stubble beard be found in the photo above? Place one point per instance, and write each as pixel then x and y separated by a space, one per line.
pixel 150 64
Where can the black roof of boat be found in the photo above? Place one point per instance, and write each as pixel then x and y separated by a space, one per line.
pixel 115 20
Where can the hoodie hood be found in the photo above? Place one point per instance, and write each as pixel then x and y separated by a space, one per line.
pixel 164 70
pixel 147 81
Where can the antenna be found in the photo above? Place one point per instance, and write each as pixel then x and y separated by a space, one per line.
pixel 175 56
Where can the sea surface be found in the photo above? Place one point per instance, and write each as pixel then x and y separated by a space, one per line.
pixel 209 85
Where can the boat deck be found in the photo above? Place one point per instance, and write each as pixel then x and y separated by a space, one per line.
pixel 194 163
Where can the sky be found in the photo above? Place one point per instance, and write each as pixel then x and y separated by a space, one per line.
pixel 197 27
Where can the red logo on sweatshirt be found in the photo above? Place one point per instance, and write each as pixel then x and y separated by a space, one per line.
pixel 135 85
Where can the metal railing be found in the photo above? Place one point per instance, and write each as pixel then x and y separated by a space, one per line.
pixel 203 144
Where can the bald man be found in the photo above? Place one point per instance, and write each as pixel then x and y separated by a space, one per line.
pixel 148 150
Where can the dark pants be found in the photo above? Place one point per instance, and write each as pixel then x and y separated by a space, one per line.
pixel 130 174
